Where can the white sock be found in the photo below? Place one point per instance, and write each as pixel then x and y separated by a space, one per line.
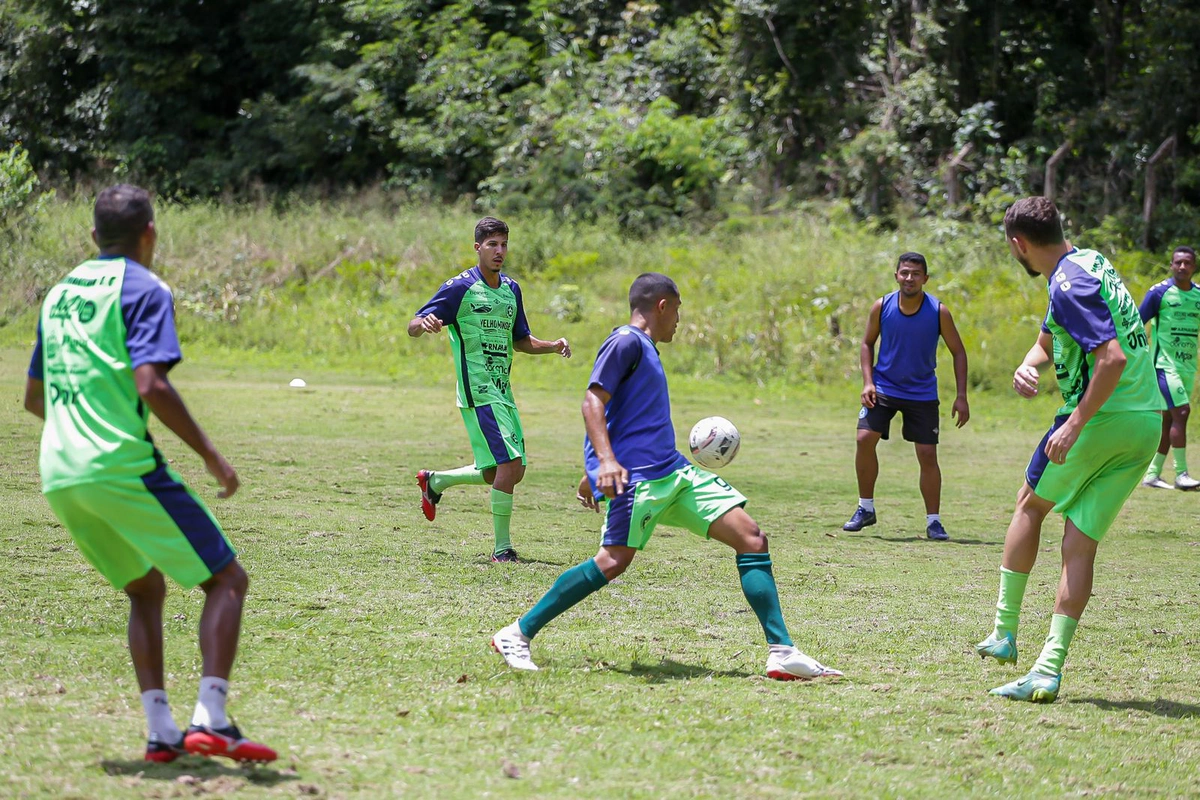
pixel 867 504
pixel 158 716
pixel 932 518
pixel 210 706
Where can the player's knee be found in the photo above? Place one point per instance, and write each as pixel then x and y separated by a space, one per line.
pixel 150 588
pixel 614 562
pixel 753 539
pixel 232 579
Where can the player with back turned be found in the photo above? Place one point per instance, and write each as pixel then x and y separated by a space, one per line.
pixel 1098 446
pixel 106 341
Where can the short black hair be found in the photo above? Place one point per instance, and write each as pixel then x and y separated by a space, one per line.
pixel 121 215
pixel 1035 219
pixel 913 258
pixel 489 226
pixel 648 288
pixel 1183 248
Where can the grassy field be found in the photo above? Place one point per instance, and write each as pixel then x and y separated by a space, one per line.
pixel 365 655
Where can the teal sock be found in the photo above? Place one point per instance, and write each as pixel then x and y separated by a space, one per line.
pixel 1008 604
pixel 441 481
pixel 1180 461
pixel 1054 652
pixel 1156 465
pixel 501 517
pixel 758 584
pixel 571 587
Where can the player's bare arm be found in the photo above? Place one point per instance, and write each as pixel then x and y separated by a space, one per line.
pixel 1110 363
pixel 535 346
pixel 961 410
pixel 422 325
pixel 866 356
pixel 612 478
pixel 1025 379
pixel 161 397
pixel 35 398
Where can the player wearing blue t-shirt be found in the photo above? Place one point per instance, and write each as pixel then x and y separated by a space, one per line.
pixel 907 324
pixel 631 460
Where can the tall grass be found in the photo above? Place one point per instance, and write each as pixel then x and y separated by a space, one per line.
pixel 780 298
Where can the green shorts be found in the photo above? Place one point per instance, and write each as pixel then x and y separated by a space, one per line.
pixel 495 433
pixel 689 497
pixel 125 526
pixel 1175 387
pixel 1102 469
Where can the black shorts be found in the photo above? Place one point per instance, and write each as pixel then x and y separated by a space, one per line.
pixel 920 418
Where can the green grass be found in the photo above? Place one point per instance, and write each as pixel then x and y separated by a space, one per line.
pixel 365 654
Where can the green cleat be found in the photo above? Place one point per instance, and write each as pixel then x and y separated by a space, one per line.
pixel 1002 648
pixel 1033 688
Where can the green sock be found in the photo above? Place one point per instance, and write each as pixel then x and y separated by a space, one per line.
pixel 1008 604
pixel 1156 465
pixel 758 584
pixel 570 588
pixel 501 517
pixel 441 481
pixel 1054 652
pixel 1180 461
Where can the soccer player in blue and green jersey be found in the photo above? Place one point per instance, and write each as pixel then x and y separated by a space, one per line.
pixel 485 317
pixel 1173 307
pixel 631 460
pixel 1097 449
pixel 106 341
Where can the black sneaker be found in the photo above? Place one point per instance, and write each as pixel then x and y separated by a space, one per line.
pixel 505 556
pixel 861 519
pixel 936 532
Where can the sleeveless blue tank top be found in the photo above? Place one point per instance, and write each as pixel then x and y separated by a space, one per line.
pixel 905 367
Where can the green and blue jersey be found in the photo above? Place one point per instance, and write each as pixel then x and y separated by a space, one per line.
pixel 483 324
pixel 1175 313
pixel 101 322
pixel 1089 305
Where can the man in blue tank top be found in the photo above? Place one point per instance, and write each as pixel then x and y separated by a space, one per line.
pixel 907 324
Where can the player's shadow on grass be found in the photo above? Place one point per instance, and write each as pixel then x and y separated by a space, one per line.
pixel 668 670
pixel 1159 706
pixel 203 770
pixel 951 542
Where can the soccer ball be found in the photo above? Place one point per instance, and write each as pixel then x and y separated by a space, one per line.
pixel 714 442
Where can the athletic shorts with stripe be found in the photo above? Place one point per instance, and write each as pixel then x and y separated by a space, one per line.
pixel 125 526
pixel 689 497
pixel 495 433
pixel 1176 389
pixel 1102 468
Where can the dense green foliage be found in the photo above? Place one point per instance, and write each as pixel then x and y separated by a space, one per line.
pixel 767 298
pixel 639 111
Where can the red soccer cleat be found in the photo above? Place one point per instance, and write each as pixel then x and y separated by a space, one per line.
pixel 162 752
pixel 429 498
pixel 202 740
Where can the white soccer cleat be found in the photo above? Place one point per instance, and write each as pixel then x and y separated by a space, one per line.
pixel 1186 482
pixel 513 645
pixel 789 664
pixel 1156 483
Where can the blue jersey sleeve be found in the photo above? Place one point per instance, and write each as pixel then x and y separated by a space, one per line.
pixel 446 300
pixel 1153 300
pixel 618 357
pixel 520 324
pixel 35 363
pixel 149 312
pixel 1079 308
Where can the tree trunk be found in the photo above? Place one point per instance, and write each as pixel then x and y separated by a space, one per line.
pixel 950 175
pixel 1164 149
pixel 1050 188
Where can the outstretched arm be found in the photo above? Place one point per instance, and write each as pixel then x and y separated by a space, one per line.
pixel 158 393
pixel 961 409
pixel 611 478
pixel 535 346
pixel 421 325
pixel 866 354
